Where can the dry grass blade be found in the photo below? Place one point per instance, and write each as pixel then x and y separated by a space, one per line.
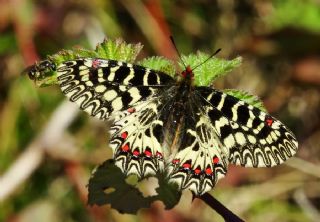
pixel 33 155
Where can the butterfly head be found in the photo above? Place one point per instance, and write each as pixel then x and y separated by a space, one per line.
pixel 187 73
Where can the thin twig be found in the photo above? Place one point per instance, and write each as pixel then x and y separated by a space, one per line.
pixel 227 215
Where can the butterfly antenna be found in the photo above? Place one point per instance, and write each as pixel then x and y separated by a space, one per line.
pixel 175 46
pixel 215 53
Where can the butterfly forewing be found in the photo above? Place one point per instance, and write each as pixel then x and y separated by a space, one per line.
pixel 103 87
pixel 254 138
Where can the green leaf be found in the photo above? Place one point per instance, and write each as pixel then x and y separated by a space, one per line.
pixel 167 192
pixel 214 68
pixel 246 97
pixel 108 185
pixel 108 49
pixel 75 53
pixel 160 64
pixel 118 50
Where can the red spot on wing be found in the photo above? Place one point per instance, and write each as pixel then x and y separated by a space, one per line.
pixel 96 63
pixel 124 135
pixel 197 170
pixel 125 148
pixel 186 165
pixel 159 155
pixel 269 120
pixel 131 110
pixel 208 171
pixel 136 152
pixel 215 160
pixel 148 153
pixel 176 161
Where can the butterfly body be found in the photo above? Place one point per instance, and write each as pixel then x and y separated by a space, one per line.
pixel 161 124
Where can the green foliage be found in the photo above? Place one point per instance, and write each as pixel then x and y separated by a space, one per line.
pixel 209 71
pixel 75 53
pixel 167 193
pixel 250 99
pixel 118 50
pixel 295 13
pixel 108 185
pixel 160 64
pixel 108 49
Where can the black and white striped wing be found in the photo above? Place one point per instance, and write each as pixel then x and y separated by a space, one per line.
pixel 103 87
pixel 253 138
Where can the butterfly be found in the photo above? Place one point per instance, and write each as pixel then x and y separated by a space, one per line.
pixel 164 124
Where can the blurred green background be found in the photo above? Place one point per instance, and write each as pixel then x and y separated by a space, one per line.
pixel 48 149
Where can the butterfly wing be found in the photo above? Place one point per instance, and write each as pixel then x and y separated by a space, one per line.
pixel 103 87
pixel 136 138
pixel 254 138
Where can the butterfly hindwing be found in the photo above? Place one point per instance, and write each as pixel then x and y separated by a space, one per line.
pixel 136 138
pixel 103 87
pixel 255 139
pixel 198 165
